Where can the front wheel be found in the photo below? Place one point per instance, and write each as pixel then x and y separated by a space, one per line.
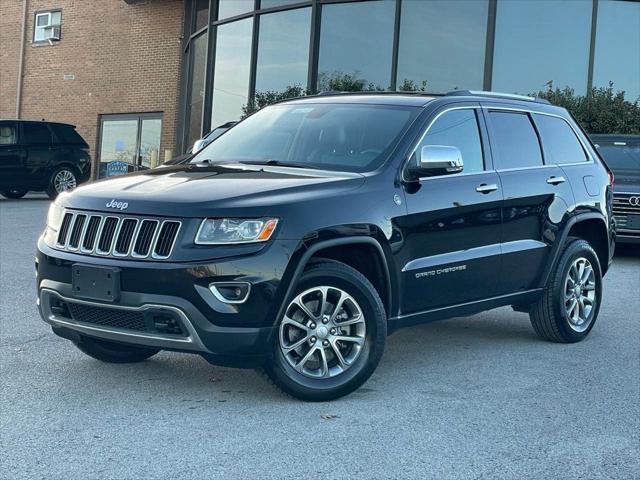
pixel 570 304
pixel 13 193
pixel 62 180
pixel 112 352
pixel 332 334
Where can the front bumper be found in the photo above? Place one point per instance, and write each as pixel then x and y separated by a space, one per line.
pixel 223 333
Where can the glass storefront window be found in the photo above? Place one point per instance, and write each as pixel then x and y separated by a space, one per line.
pixel 231 71
pixel 442 45
pixel 541 41
pixel 202 14
pixel 198 53
pixel 356 41
pixel 617 55
pixel 231 8
pixel 278 3
pixel 283 50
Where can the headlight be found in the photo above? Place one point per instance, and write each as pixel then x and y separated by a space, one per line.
pixel 215 231
pixel 55 216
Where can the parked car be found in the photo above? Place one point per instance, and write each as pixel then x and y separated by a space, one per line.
pixel 41 156
pixel 314 228
pixel 200 144
pixel 622 155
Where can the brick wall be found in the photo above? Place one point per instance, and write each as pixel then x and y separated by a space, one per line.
pixel 125 59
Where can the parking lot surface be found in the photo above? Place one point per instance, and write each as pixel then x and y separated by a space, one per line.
pixel 475 397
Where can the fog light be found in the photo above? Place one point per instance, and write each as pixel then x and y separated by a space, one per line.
pixel 231 292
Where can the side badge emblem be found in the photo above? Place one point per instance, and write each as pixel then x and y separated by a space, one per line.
pixel 397 199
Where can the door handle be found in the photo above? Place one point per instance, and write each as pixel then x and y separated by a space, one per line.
pixel 484 188
pixel 555 180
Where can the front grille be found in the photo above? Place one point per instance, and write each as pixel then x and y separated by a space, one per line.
pixel 622 208
pixel 108 317
pixel 118 236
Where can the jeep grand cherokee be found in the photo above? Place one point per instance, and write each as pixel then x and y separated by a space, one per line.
pixel 316 227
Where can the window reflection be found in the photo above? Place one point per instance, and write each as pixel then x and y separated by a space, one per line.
pixel 198 52
pixel 617 55
pixel 231 77
pixel 541 41
pixel 356 41
pixel 283 50
pixel 449 54
pixel 231 8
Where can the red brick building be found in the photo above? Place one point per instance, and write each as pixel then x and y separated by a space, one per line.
pixel 112 69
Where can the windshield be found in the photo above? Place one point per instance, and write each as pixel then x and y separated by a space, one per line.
pixel 621 155
pixel 341 137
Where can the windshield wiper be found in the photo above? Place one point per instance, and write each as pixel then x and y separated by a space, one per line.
pixel 275 163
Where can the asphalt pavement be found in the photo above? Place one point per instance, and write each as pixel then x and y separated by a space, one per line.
pixel 475 397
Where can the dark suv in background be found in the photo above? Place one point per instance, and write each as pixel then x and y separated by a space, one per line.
pixel 303 236
pixel 622 154
pixel 41 156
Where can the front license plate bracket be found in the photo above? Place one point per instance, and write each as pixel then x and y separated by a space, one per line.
pixel 96 283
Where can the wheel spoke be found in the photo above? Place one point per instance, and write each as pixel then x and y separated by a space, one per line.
pixel 586 274
pixel 324 365
pixel 589 287
pixel 356 340
pixel 290 321
pixel 300 365
pixel 351 321
pixel 304 309
pixel 295 345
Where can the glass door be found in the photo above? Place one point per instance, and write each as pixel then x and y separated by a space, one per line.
pixel 128 143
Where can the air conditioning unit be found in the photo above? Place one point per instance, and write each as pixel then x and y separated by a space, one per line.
pixel 52 33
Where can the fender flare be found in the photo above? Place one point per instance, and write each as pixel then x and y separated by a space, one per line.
pixel 336 242
pixel 562 237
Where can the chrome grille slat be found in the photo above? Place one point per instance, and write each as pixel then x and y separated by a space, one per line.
pixel 118 236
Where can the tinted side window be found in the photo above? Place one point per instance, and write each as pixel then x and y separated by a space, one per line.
pixel 515 143
pixel 8 133
pixel 67 134
pixel 559 141
pixel 458 128
pixel 36 134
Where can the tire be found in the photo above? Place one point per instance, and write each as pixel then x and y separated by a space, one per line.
pixel 359 338
pixel 558 315
pixel 13 193
pixel 62 180
pixel 112 352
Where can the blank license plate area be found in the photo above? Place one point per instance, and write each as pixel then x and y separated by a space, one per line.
pixel 96 283
pixel 633 222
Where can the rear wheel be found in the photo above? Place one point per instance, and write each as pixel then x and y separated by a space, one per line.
pixel 13 193
pixel 112 352
pixel 570 304
pixel 62 180
pixel 332 335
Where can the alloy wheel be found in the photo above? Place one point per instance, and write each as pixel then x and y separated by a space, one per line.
pixel 580 294
pixel 64 180
pixel 323 332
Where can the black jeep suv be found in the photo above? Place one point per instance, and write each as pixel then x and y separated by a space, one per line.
pixel 314 228
pixel 41 156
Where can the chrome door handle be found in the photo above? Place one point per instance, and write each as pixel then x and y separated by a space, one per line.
pixel 555 180
pixel 484 188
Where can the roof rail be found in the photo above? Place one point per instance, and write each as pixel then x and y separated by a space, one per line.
pixel 377 92
pixel 512 96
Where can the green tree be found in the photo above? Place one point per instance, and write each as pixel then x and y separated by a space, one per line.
pixel 602 110
pixel 262 99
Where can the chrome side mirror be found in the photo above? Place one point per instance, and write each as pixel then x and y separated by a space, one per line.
pixel 439 160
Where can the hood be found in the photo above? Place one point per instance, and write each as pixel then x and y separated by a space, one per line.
pixel 627 179
pixel 196 190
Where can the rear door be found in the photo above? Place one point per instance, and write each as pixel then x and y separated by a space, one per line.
pixel 537 196
pixel 12 156
pixel 40 152
pixel 451 247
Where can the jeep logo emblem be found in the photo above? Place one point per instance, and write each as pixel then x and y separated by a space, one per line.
pixel 118 205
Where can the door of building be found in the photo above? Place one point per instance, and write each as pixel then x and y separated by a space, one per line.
pixel 128 143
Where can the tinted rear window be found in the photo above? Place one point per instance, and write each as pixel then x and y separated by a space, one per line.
pixel 67 134
pixel 36 134
pixel 515 141
pixel 559 141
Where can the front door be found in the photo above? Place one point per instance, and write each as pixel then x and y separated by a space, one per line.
pixel 12 157
pixel 129 143
pixel 451 249
pixel 536 197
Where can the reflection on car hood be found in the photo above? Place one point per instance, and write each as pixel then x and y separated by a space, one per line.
pixel 197 190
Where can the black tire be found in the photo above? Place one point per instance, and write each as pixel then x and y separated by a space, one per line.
pixel 13 193
pixel 549 315
pixel 52 190
pixel 112 352
pixel 334 275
